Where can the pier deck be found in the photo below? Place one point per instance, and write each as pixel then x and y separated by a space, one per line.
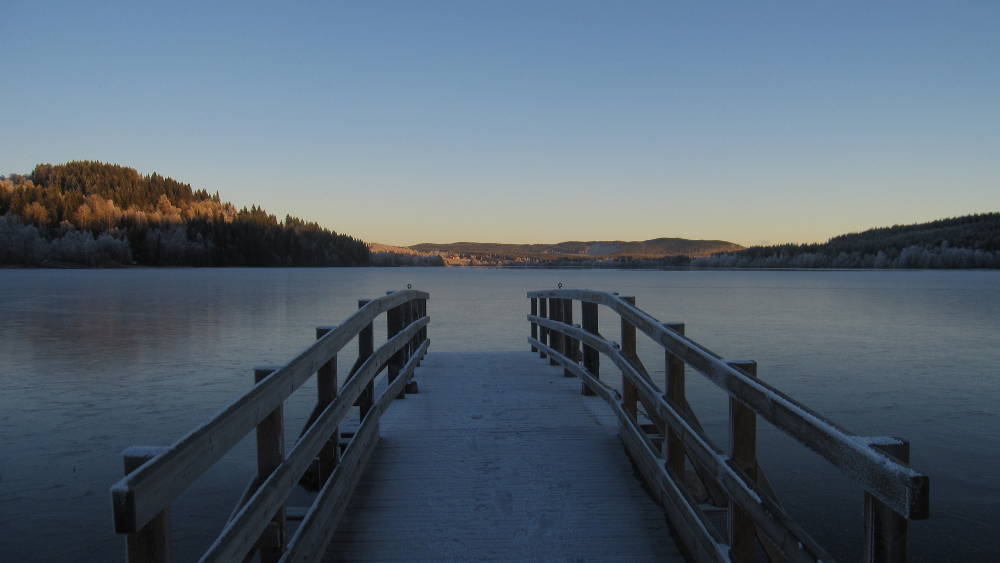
pixel 512 455
pixel 500 457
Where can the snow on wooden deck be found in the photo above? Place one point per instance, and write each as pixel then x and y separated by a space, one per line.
pixel 500 457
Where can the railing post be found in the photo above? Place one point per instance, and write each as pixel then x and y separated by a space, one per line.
pixel 151 543
pixel 405 318
pixel 417 310
pixel 270 454
pixel 411 387
pixel 366 345
pixel 534 327
pixel 885 531
pixel 555 337
pixel 326 387
pixel 591 357
pixel 394 321
pixel 629 396
pixel 543 311
pixel 569 344
pixel 422 310
pixel 674 386
pixel 409 315
pixel 743 451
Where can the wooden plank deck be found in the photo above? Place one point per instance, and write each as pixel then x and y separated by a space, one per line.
pixel 500 457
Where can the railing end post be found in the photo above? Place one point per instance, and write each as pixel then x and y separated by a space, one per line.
pixel 885 530
pixel 151 543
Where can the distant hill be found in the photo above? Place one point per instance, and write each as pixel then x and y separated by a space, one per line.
pixel 97 214
pixel 609 251
pixel 388 255
pixel 970 241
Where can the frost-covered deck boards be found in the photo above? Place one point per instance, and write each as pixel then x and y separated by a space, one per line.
pixel 500 457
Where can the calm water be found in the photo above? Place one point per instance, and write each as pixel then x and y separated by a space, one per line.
pixel 94 361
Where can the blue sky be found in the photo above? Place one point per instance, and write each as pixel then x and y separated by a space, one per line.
pixel 405 122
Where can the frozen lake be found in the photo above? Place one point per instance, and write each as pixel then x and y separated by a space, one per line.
pixel 96 360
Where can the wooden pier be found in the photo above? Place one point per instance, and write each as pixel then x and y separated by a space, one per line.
pixel 512 456
pixel 499 457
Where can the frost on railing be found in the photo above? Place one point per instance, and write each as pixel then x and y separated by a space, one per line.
pixel 156 476
pixel 730 481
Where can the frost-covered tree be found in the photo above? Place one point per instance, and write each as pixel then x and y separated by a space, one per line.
pixel 160 220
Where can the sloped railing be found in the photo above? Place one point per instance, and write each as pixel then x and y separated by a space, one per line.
pixel 156 476
pixel 732 482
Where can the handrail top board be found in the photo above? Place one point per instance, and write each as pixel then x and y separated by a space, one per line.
pixel 898 485
pixel 143 493
pixel 767 513
pixel 236 538
pixel 709 543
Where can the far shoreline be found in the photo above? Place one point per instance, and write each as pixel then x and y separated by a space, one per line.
pixel 67 266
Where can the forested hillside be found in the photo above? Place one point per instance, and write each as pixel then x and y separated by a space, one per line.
pixel 971 241
pixel 92 213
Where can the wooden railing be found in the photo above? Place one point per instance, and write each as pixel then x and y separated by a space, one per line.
pixel 156 476
pixel 721 483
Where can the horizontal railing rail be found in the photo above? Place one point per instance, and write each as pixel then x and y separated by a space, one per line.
pixel 695 530
pixel 142 497
pixel 889 483
pixel 777 525
pixel 319 523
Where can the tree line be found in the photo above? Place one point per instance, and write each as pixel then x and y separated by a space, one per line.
pixel 971 241
pixel 97 214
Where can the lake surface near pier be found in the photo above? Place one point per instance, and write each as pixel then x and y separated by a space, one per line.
pixel 93 361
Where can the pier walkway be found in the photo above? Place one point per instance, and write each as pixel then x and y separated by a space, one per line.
pixel 499 457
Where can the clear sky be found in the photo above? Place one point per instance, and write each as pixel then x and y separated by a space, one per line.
pixel 405 122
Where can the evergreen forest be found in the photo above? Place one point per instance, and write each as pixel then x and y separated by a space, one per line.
pixel 88 213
